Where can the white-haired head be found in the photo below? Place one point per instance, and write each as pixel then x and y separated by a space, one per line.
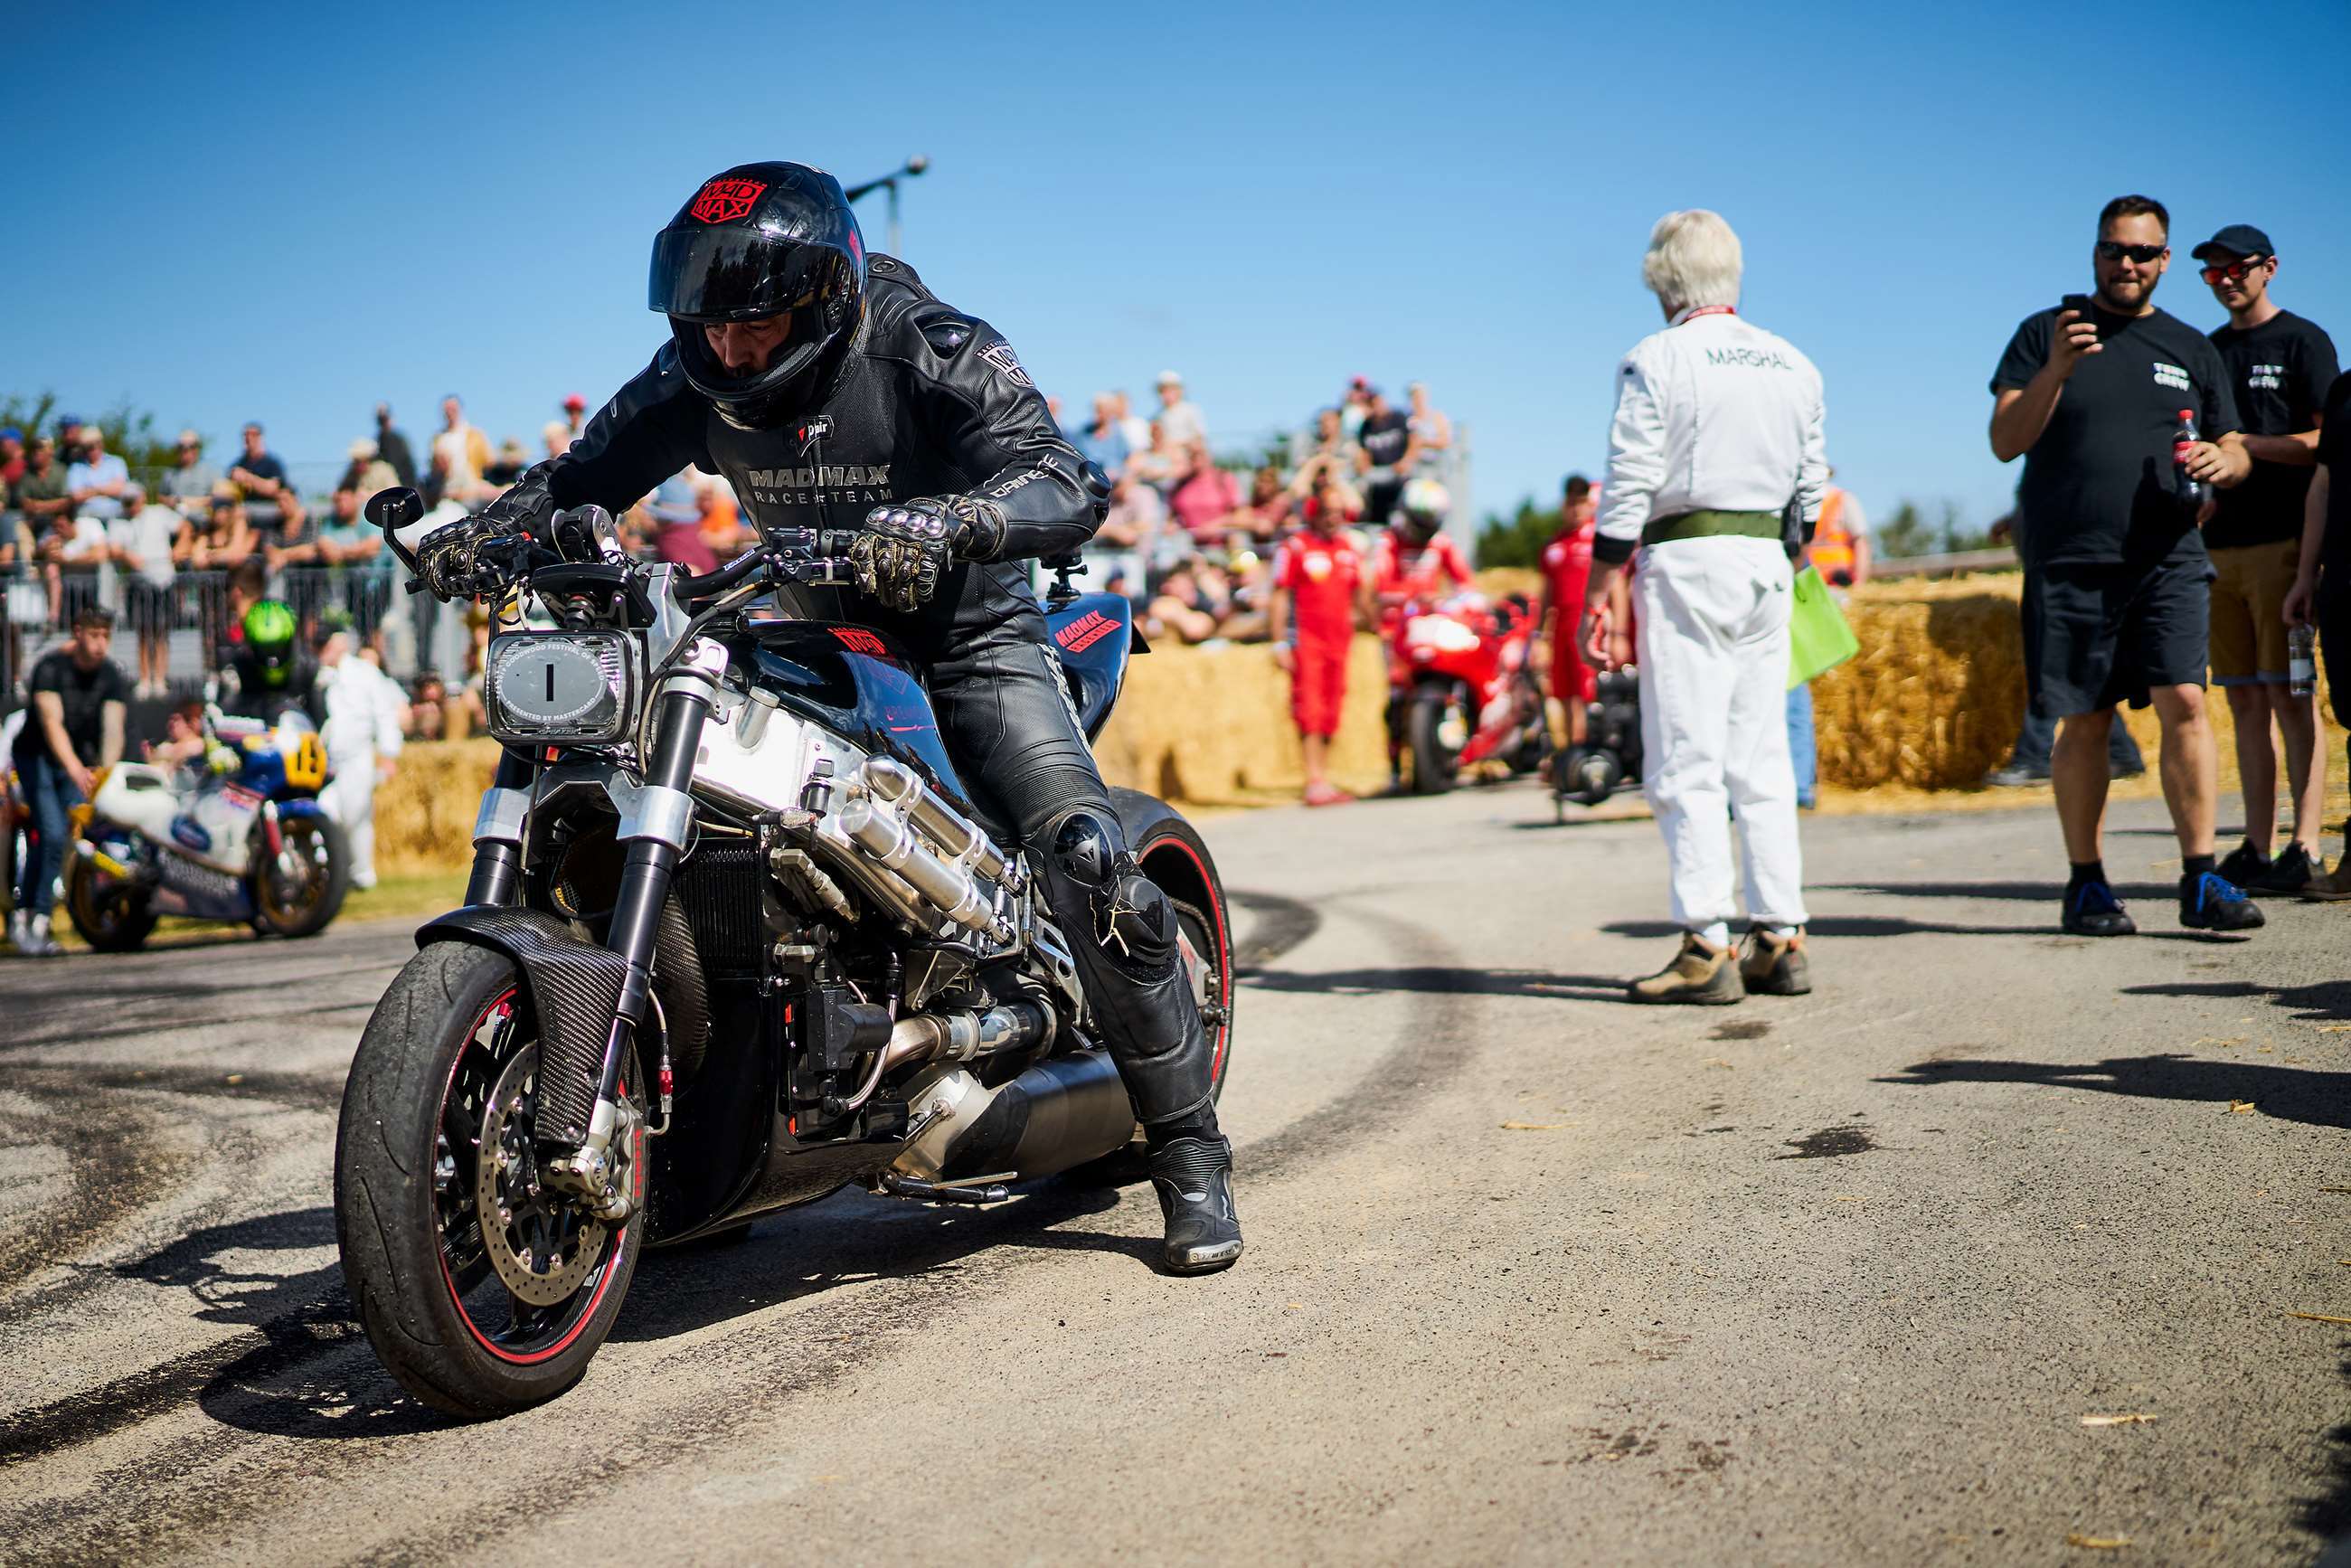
pixel 1693 260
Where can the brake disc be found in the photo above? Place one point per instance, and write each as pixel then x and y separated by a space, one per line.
pixel 541 1242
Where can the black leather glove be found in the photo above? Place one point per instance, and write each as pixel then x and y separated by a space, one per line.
pixel 908 548
pixel 448 563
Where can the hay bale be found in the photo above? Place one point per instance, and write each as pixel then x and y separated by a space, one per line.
pixel 1211 726
pixel 1935 697
pixel 1932 702
pixel 425 817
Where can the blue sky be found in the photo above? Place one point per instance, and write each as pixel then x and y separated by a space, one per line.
pixel 294 214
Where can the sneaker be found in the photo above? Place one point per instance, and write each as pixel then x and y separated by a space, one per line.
pixel 2290 872
pixel 2212 902
pixel 2016 776
pixel 1700 976
pixel 1773 965
pixel 17 922
pixel 36 942
pixel 2092 910
pixel 2244 865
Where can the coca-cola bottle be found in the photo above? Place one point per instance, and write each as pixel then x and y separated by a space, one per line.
pixel 2191 492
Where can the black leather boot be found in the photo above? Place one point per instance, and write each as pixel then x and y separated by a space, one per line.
pixel 1193 1178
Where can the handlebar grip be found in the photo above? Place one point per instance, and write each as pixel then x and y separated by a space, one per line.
pixel 812 541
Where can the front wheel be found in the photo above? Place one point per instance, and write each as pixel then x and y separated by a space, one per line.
pixel 483 1292
pixel 299 889
pixel 112 915
pixel 1437 731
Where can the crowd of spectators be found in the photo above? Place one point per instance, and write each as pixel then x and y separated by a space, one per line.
pixel 181 551
pixel 1191 540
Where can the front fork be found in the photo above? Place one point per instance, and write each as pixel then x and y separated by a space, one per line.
pixel 656 822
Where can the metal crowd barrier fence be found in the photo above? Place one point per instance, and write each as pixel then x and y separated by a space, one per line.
pixel 180 627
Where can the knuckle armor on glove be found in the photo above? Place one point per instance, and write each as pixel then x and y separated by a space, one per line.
pixel 448 563
pixel 908 548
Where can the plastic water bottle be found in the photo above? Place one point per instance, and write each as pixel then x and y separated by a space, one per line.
pixel 2302 659
pixel 2191 492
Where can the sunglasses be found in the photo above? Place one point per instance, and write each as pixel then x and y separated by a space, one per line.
pixel 2114 250
pixel 2236 271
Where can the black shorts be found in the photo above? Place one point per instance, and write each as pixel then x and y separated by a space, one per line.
pixel 2332 616
pixel 2098 635
pixel 147 606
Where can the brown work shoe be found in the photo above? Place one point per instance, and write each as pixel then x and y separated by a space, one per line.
pixel 1699 975
pixel 1774 965
pixel 2333 887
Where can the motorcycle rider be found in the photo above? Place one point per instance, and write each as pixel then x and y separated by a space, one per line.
pixel 270 671
pixel 833 390
pixel 1414 559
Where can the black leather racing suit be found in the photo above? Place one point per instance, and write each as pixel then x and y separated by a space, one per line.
pixel 931 402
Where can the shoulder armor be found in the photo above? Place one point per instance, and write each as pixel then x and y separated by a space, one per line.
pixel 945 330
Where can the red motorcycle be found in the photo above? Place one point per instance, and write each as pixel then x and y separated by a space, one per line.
pixel 1461 689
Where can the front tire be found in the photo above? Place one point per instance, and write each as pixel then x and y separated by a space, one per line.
pixel 300 901
pixel 116 919
pixel 447 1063
pixel 1436 756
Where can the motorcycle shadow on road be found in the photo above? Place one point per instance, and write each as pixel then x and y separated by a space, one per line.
pixel 311 1376
pixel 314 1376
pixel 853 1238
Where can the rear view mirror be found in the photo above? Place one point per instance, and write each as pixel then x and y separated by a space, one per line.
pixel 392 510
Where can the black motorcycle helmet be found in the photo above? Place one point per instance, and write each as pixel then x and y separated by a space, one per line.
pixel 1423 512
pixel 762 240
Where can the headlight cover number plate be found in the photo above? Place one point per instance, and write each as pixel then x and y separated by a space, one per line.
pixel 574 687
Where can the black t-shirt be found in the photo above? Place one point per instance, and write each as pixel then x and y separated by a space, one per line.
pixel 2334 452
pixel 2279 372
pixel 2099 486
pixel 1384 438
pixel 84 697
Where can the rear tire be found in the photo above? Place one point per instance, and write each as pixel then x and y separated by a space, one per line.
pixel 111 920
pixel 1171 849
pixel 452 1029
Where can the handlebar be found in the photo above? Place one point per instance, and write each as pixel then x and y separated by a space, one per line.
pixel 816 556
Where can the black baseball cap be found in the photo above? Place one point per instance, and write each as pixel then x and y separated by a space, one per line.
pixel 2237 239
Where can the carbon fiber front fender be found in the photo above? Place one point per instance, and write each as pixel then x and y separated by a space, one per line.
pixel 575 992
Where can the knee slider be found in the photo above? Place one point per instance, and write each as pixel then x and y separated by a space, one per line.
pixel 1133 924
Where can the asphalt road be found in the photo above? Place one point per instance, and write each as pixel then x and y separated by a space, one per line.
pixel 1533 1276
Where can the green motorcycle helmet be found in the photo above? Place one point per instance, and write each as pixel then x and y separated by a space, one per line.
pixel 269 640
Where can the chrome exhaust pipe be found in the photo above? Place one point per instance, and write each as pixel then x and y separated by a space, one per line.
pixel 899 847
pixel 954 836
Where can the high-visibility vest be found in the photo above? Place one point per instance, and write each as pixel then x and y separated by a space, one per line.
pixel 1832 547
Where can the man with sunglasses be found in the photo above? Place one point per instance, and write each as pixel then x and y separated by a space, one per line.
pixel 2116 608
pixel 2280 366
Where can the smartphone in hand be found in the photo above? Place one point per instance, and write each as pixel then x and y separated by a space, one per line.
pixel 2085 308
